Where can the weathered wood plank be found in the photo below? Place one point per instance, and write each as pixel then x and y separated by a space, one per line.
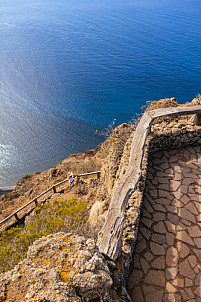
pixel 110 237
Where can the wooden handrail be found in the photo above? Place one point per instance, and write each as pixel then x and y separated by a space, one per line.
pixel 110 236
pixel 35 199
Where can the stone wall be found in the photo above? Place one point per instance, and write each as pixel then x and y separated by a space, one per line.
pixel 166 134
pixel 167 254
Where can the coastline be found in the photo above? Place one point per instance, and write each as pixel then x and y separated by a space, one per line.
pixel 6 189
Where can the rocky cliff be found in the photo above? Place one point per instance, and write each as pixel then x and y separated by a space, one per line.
pixel 69 267
pixel 60 267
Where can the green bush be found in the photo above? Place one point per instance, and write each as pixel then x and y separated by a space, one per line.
pixel 62 216
pixel 10 196
pixel 198 97
pixel 108 130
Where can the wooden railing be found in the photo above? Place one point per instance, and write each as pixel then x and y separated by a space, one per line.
pixel 29 206
pixel 110 237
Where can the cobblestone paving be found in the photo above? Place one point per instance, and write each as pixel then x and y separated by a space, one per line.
pixel 167 256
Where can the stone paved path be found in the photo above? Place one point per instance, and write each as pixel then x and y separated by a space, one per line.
pixel 167 256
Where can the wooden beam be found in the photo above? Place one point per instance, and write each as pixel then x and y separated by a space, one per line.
pixel 109 240
pixel 110 236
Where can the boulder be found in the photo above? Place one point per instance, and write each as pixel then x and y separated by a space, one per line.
pixel 60 267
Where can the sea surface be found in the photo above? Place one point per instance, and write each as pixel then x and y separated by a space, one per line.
pixel 69 67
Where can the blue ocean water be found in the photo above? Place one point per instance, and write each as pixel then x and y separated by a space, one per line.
pixel 70 67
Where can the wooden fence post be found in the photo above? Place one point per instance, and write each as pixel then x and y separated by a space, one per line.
pixel 16 217
pixel 54 189
pixel 197 119
pixel 98 175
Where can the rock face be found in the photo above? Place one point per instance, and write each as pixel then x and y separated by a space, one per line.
pixel 60 267
pixel 166 263
pixel 105 157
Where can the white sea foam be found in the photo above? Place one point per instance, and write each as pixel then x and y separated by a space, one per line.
pixel 5 24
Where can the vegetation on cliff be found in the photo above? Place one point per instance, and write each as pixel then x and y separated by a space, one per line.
pixel 63 212
pixel 48 218
pixel 60 267
pixel 65 215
